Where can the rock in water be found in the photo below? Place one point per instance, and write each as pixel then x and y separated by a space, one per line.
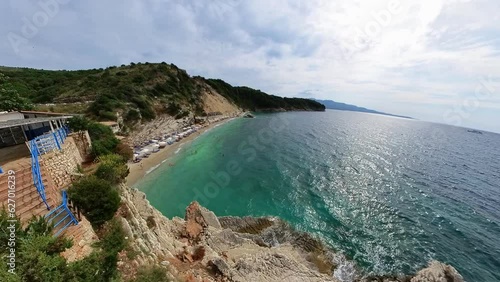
pixel 438 272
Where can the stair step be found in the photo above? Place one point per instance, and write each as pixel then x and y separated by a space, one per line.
pixel 32 207
pixel 24 188
pixel 20 195
pixel 4 179
pixel 28 201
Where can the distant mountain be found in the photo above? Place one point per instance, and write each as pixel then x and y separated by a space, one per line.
pixel 329 104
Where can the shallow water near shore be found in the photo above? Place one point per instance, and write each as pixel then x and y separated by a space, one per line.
pixel 390 193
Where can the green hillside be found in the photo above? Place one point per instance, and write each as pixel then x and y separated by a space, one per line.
pixel 137 91
pixel 257 100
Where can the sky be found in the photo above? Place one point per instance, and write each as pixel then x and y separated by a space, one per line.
pixel 435 60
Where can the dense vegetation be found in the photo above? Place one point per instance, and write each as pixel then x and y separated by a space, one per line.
pixel 96 197
pixel 38 252
pixel 136 91
pixel 257 100
pixel 10 100
pixel 104 141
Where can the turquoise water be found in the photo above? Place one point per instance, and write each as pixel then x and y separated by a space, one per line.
pixel 389 193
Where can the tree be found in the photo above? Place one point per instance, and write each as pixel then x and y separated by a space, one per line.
pixel 38 251
pixel 78 123
pixel 10 100
pixel 124 151
pixel 112 168
pixel 103 139
pixel 97 199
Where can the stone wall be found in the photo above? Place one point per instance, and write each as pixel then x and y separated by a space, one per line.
pixel 62 165
pixel 83 143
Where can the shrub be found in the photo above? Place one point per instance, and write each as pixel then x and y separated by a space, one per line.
pixel 147 113
pixel 138 79
pixel 96 198
pixel 78 123
pixel 100 265
pixel 5 276
pixel 37 264
pixel 173 109
pixel 99 131
pixel 152 274
pixel 104 147
pixel 4 223
pixel 113 240
pixel 124 151
pixel 38 252
pixel 103 139
pixel 107 115
pixel 132 115
pixel 112 168
pixel 87 269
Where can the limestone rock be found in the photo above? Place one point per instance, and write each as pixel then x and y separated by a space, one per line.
pixel 438 272
pixel 210 218
pixel 195 223
pixel 275 267
pixel 202 247
pixel 221 266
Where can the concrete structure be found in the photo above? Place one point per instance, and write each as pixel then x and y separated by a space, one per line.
pixel 35 114
pixel 19 127
pixel 5 116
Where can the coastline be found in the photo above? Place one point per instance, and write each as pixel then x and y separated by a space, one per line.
pixel 156 159
pixel 245 249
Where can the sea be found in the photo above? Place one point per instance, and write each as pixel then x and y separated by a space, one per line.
pixel 389 193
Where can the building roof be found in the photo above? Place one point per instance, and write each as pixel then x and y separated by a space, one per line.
pixel 20 122
pixel 43 113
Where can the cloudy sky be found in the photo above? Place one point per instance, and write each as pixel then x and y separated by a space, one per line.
pixel 436 60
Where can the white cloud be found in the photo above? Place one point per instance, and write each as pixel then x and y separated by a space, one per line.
pixel 395 56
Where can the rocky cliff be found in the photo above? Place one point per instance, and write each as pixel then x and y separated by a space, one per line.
pixel 202 247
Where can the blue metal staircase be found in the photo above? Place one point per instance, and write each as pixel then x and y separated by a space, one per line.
pixel 61 217
pixel 37 174
pixel 39 146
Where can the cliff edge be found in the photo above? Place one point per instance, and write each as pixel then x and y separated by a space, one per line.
pixel 202 247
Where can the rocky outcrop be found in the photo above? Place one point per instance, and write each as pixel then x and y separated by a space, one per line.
pixel 202 247
pixel 199 248
pixel 435 272
pixel 84 144
pixel 438 272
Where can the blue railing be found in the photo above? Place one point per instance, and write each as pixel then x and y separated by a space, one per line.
pixel 51 141
pixel 63 215
pixel 39 146
pixel 36 172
